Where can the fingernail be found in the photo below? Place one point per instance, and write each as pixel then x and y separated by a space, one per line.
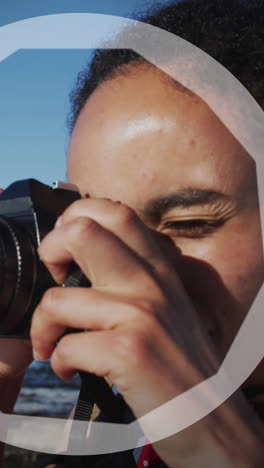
pixel 87 195
pixel 36 355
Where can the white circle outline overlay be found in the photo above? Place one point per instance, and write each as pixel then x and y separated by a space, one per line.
pixel 205 77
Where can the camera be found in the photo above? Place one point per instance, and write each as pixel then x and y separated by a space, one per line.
pixel 28 211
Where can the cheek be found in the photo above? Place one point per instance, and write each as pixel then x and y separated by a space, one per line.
pixel 243 276
pixel 222 276
pixel 224 272
pixel 239 263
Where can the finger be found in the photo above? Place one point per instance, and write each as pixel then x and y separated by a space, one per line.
pixel 88 352
pixel 121 221
pixel 104 259
pixel 113 354
pixel 124 357
pixel 96 311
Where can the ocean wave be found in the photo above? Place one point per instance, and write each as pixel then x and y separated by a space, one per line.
pixel 44 394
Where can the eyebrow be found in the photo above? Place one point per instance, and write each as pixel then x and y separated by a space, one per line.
pixel 185 198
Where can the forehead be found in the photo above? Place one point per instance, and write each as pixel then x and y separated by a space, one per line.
pixel 138 136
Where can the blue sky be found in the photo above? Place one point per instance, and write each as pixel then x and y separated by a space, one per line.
pixel 34 90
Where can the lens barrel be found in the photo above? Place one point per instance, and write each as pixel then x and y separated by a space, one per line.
pixel 22 278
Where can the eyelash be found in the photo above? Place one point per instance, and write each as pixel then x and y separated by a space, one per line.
pixel 193 227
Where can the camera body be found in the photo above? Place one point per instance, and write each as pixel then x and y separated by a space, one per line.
pixel 28 211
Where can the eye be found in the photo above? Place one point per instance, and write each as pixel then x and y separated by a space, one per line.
pixel 192 227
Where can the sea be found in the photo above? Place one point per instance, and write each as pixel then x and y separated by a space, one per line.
pixel 44 394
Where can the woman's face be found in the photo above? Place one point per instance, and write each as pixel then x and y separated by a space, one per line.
pixel 164 153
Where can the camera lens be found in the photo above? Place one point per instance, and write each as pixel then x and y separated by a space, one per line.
pixel 23 278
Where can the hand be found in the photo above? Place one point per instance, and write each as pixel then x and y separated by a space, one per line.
pixel 137 307
pixel 146 336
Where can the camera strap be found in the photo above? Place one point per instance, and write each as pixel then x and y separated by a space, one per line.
pixel 93 390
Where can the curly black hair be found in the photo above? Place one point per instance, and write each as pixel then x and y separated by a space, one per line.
pixel 231 31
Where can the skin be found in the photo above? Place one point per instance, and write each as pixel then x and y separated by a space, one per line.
pixel 167 299
pixel 136 151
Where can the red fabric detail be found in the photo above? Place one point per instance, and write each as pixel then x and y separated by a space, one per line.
pixel 148 454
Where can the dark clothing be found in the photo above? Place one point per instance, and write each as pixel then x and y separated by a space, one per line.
pixel 112 460
pixel 137 458
pixel 131 458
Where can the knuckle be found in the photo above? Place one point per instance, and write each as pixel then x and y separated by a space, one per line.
pixel 144 314
pixel 49 300
pixel 125 215
pixel 63 349
pixel 140 311
pixel 145 307
pixel 82 227
pixel 153 286
pixel 131 347
pixel 71 211
pixel 133 313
